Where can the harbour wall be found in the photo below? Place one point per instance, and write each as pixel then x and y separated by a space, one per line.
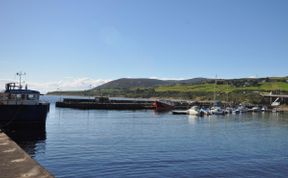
pixel 15 162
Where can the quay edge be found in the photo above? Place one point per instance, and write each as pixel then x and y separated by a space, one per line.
pixel 15 162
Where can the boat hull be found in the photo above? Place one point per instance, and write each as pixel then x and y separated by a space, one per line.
pixel 180 112
pixel 23 115
pixel 162 106
pixel 112 106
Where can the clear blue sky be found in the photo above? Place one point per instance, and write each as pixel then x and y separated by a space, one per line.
pixel 110 39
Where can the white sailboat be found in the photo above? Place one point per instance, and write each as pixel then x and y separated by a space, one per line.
pixel 275 103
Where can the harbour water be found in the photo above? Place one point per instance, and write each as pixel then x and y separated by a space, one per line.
pixel 107 143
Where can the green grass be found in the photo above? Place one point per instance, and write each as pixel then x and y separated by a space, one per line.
pixel 283 86
pixel 262 87
pixel 267 87
pixel 195 88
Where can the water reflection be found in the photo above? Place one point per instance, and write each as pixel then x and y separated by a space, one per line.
pixel 144 143
pixel 29 139
pixel 192 119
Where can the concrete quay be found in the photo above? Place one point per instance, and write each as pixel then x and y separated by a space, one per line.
pixel 16 163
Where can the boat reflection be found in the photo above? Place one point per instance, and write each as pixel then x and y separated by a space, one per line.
pixel 31 140
pixel 193 119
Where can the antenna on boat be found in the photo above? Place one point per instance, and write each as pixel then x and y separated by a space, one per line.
pixel 20 74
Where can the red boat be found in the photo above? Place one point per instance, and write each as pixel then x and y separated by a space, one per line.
pixel 163 105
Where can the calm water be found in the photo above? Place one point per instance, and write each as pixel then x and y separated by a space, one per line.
pixel 100 143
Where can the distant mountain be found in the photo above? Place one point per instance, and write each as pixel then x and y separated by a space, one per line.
pixel 135 82
pixel 144 82
pixel 193 80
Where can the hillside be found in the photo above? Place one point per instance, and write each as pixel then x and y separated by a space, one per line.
pixel 145 83
pixel 131 83
pixel 234 90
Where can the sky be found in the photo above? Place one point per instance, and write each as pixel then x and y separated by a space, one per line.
pixel 72 44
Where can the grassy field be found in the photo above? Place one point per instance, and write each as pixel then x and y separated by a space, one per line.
pixel 195 88
pixel 224 88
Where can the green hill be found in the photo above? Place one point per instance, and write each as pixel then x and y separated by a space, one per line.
pixel 233 90
pixel 131 83
pixel 145 83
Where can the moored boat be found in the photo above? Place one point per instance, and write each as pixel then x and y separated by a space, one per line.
pixel 180 112
pixel 194 110
pixel 264 109
pixel 255 109
pixel 228 110
pixel 240 109
pixel 217 111
pixel 161 105
pixel 22 107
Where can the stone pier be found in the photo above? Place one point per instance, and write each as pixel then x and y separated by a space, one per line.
pixel 14 162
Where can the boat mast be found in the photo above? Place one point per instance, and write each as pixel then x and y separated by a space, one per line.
pixel 215 88
pixel 20 78
pixel 227 92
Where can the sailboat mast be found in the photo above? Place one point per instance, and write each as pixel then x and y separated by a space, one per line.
pixel 227 94
pixel 215 88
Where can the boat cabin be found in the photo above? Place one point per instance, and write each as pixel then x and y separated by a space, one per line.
pixel 15 95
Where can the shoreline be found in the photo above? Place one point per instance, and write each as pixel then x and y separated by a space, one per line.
pixel 147 103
